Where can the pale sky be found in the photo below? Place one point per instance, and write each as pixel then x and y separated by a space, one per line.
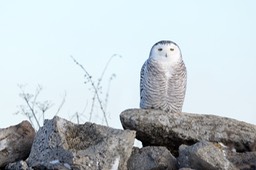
pixel 37 38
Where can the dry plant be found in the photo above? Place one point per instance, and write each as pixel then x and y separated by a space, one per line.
pixel 33 109
pixel 97 96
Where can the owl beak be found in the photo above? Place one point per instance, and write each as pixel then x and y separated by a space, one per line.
pixel 166 55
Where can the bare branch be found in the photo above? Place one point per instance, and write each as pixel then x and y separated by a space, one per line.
pixel 32 107
pixel 105 68
pixel 43 107
pixel 62 103
pixel 22 108
pixel 108 90
pixel 92 106
pixel 77 118
pixel 85 107
pixel 27 97
pixel 94 87
pixel 38 90
pixel 99 82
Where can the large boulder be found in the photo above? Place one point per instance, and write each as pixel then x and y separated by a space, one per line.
pixel 15 142
pixel 243 161
pixel 60 143
pixel 157 128
pixel 152 157
pixel 204 155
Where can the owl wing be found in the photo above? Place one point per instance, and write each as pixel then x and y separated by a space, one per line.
pixel 177 88
pixel 152 85
pixel 142 74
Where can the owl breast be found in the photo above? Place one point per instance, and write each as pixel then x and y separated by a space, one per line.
pixel 162 86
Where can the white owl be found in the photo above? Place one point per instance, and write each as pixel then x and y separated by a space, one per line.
pixel 163 78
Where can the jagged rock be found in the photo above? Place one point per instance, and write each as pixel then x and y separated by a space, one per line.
pixel 157 128
pixel 148 158
pixel 204 155
pixel 243 161
pixel 20 165
pixel 55 165
pixel 87 146
pixel 15 142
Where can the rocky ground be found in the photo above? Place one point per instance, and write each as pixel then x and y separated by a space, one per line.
pixel 182 141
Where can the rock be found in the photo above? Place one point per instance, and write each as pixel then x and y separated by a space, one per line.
pixel 243 161
pixel 156 128
pixel 149 158
pixel 15 142
pixel 20 165
pixel 88 146
pixel 56 164
pixel 204 155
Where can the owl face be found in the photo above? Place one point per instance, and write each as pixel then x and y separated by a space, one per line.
pixel 166 51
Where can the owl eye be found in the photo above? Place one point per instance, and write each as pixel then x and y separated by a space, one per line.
pixel 160 49
pixel 171 49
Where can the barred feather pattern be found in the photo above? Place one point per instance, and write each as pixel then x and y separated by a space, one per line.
pixel 159 91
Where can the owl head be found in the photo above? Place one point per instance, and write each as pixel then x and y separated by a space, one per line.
pixel 166 51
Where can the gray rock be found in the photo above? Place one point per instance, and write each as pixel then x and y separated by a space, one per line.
pixel 204 155
pixel 19 165
pixel 243 161
pixel 15 142
pixel 88 146
pixel 157 128
pixel 148 158
pixel 56 164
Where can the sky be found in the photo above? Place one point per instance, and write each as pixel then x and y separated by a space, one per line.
pixel 37 38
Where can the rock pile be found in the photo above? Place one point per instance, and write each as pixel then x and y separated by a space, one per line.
pixel 170 142
pixel 197 141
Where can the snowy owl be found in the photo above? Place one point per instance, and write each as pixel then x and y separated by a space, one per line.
pixel 163 78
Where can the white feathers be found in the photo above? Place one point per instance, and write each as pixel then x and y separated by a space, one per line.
pixel 163 78
pixel 166 53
